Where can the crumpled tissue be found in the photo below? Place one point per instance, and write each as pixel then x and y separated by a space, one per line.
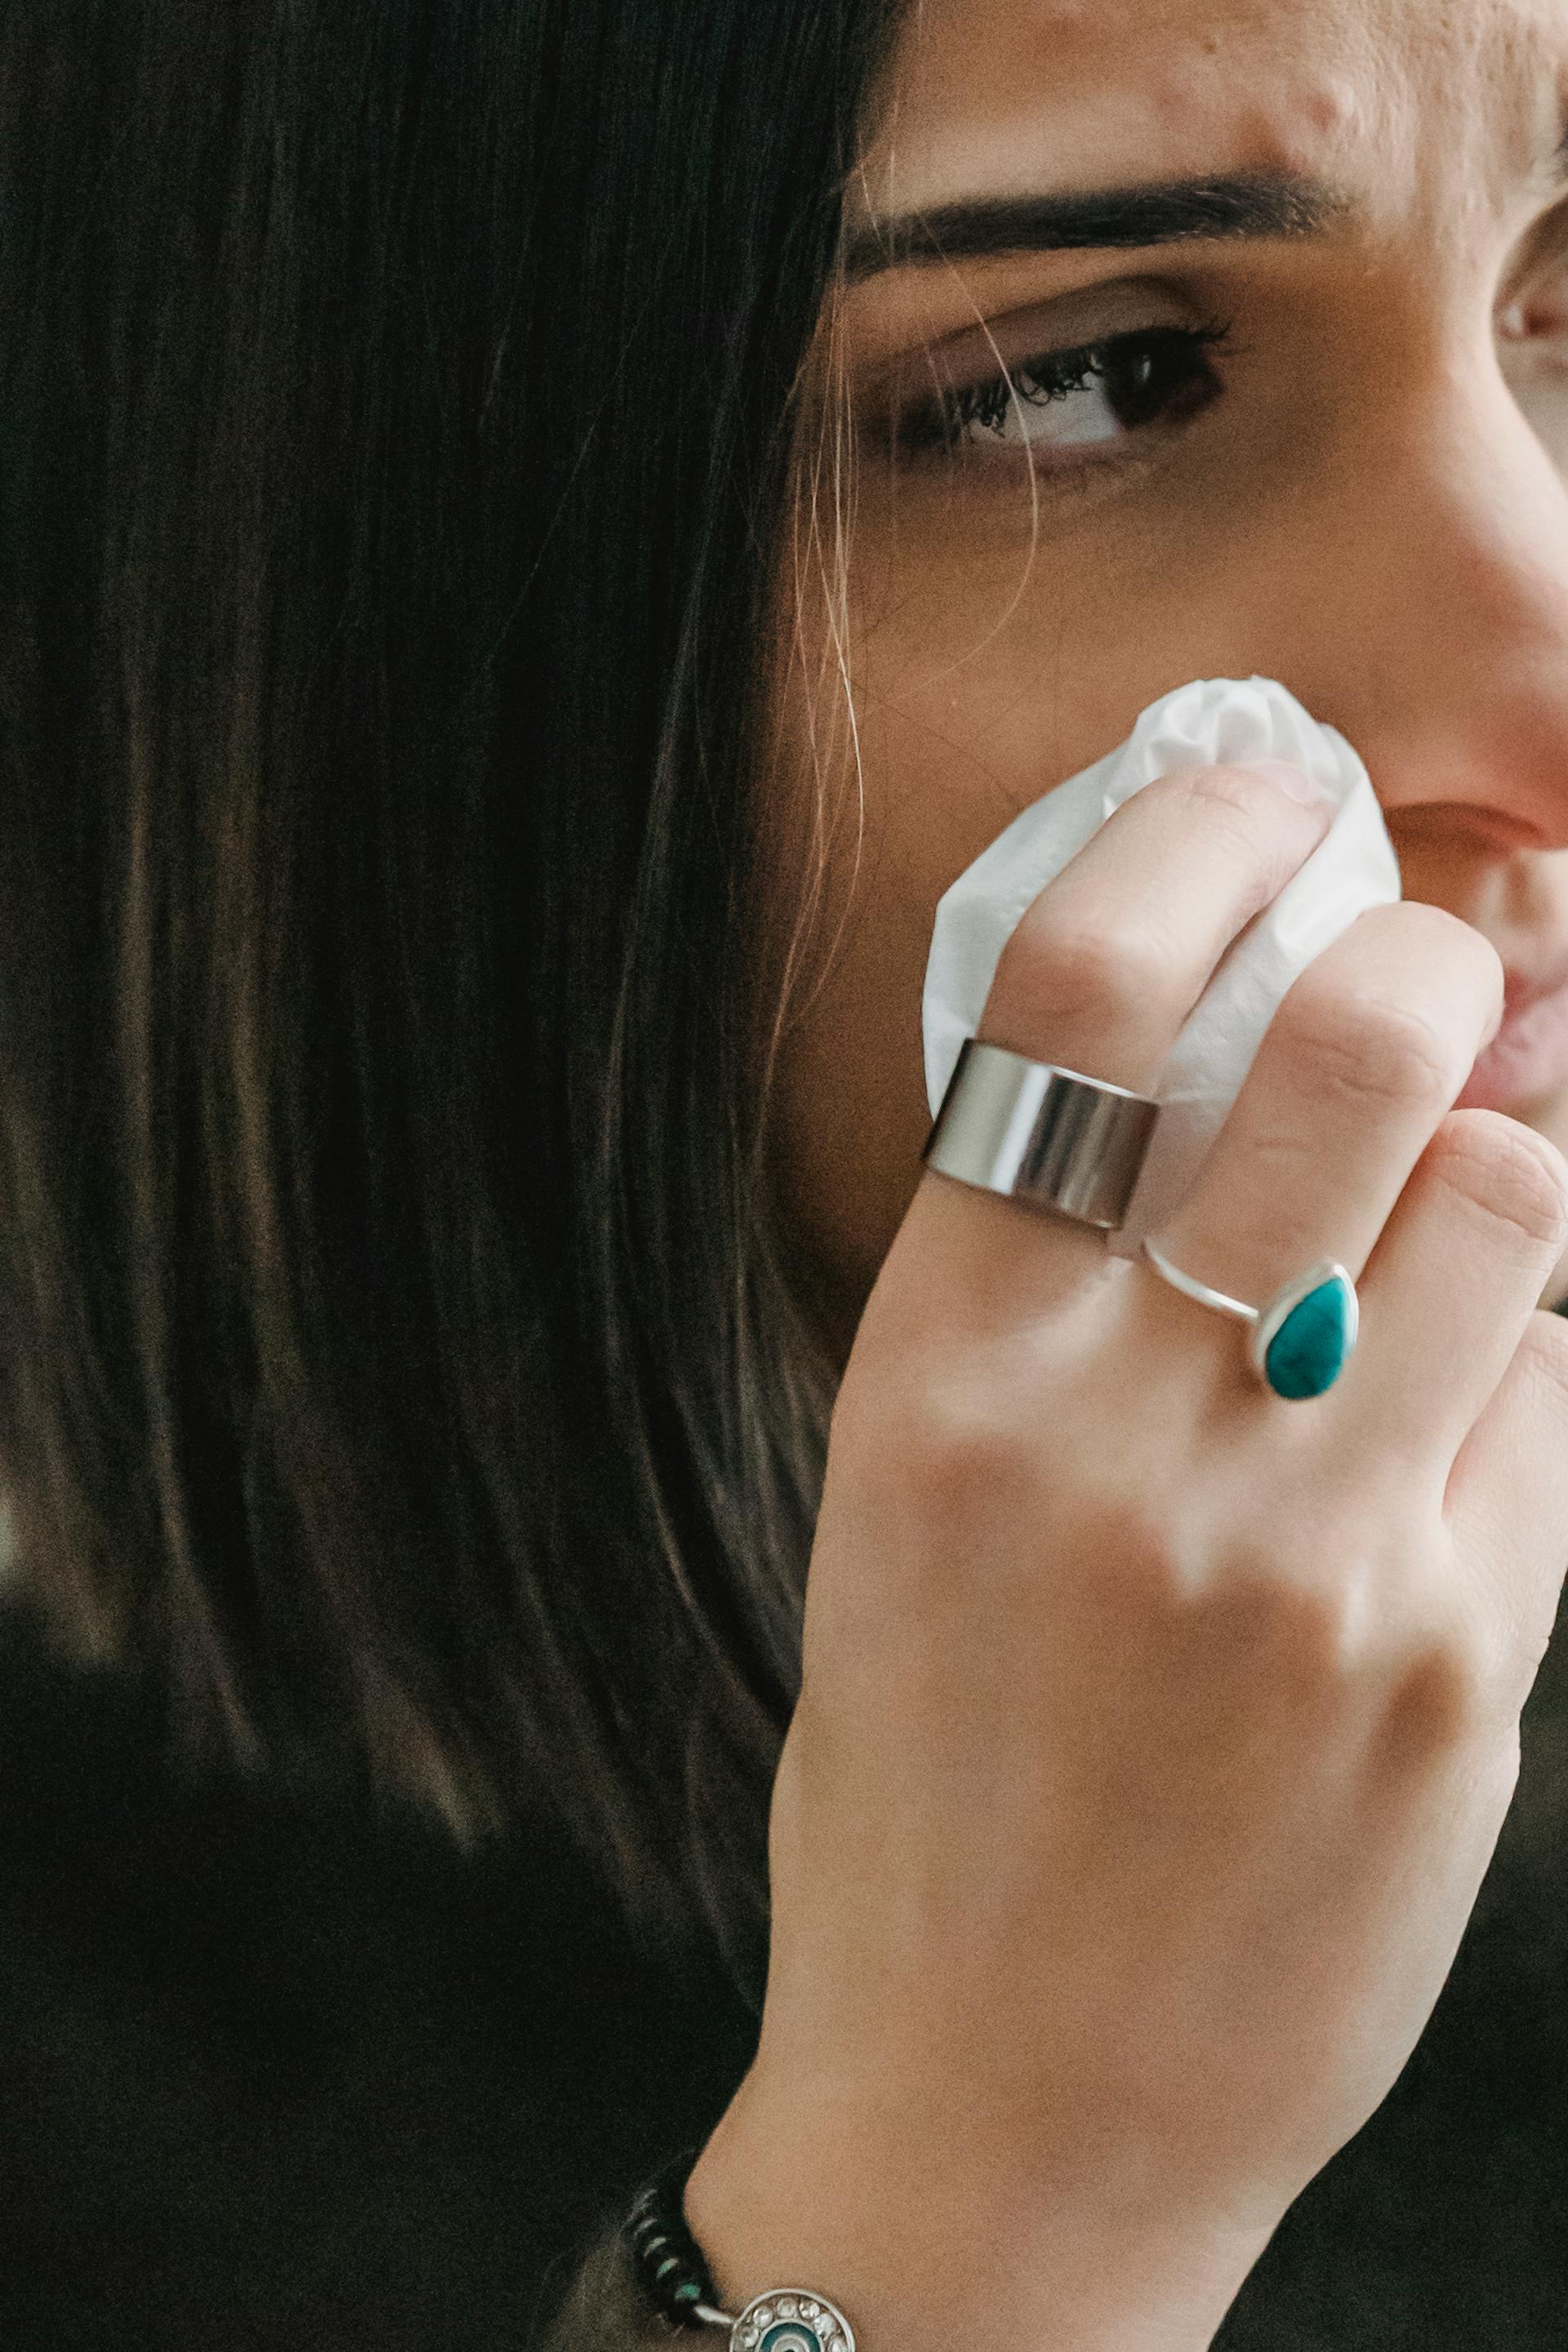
pixel 1214 722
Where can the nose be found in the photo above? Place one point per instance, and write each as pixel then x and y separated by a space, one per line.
pixel 1437 637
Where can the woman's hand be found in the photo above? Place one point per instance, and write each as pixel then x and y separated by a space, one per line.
pixel 1155 1733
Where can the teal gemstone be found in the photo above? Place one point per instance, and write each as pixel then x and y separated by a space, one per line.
pixel 1312 1345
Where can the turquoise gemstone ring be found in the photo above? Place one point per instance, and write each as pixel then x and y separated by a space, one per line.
pixel 1303 1340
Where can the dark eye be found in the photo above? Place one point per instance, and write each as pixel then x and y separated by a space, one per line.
pixel 1147 377
pixel 1532 350
pixel 1093 393
pixel 1542 310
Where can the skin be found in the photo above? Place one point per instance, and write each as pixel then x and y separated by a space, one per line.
pixel 1373 512
pixel 1155 1736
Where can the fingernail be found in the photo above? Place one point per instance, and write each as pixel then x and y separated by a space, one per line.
pixel 1294 781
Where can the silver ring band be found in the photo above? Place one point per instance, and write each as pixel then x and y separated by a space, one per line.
pixel 1048 1137
pixel 1301 1340
pixel 1190 1288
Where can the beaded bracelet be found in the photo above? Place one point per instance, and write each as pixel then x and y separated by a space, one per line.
pixel 678 2286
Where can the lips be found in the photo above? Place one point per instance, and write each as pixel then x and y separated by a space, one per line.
pixel 1527 1062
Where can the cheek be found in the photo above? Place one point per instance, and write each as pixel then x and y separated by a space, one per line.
pixel 976 688
pixel 848 1115
pixel 983 675
pixel 953 735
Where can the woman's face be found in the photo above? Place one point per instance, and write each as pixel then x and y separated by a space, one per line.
pixel 1336 455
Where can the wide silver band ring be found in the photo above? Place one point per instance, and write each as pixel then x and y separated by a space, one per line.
pixel 1048 1137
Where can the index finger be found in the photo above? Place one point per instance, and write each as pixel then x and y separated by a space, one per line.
pixel 1101 976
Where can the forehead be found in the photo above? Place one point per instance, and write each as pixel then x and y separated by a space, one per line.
pixel 1026 87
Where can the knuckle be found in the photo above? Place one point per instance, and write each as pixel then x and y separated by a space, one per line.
pixel 1285 1650
pixel 1460 964
pixel 1542 1359
pixel 1232 795
pixel 1362 1050
pixel 1084 973
pixel 1310 1645
pixel 952 1448
pixel 1308 1632
pixel 1414 932
pixel 1441 1694
pixel 1455 939
pixel 1516 1177
pixel 1428 1675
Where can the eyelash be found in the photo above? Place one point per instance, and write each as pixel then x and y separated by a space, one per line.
pixel 937 424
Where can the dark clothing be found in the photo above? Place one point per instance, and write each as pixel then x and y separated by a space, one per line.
pixel 280 2082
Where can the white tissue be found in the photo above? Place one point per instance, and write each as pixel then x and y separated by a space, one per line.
pixel 1216 721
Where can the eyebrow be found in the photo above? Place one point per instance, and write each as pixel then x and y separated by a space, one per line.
pixel 1173 212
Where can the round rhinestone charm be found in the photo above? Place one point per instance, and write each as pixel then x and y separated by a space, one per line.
pixel 786 2319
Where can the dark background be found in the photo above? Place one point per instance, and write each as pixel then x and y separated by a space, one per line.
pixel 278 2077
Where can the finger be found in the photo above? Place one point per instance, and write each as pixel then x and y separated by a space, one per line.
pixel 1506 1501
pixel 1104 969
pixel 1360 1065
pixel 1101 976
pixel 1452 1285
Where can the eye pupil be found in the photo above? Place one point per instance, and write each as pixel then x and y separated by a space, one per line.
pixel 1156 377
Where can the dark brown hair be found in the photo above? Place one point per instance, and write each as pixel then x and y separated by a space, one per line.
pixel 402 1370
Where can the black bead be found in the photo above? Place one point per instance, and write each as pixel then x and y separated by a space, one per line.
pixel 668 2260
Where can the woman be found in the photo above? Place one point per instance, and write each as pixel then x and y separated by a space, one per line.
pixel 539 541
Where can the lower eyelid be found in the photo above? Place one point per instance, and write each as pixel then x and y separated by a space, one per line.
pixel 993 452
